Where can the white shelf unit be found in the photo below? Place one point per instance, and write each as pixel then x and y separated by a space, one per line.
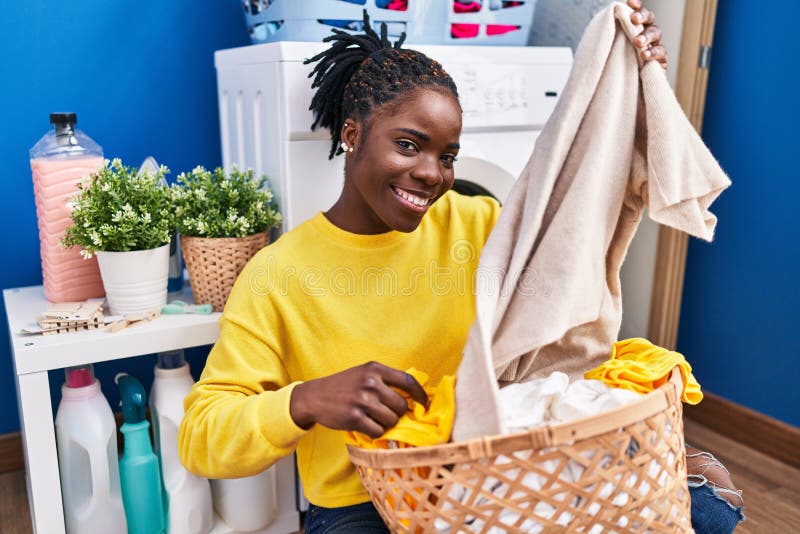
pixel 34 356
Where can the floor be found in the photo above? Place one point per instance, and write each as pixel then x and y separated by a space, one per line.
pixel 771 488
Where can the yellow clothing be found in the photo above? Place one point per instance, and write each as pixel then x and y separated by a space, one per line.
pixel 419 427
pixel 638 365
pixel 318 301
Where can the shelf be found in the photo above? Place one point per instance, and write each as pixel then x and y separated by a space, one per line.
pixel 35 353
pixel 283 524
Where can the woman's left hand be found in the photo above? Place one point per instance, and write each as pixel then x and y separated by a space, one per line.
pixel 649 41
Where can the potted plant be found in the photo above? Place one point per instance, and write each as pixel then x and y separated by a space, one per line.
pixel 127 220
pixel 223 219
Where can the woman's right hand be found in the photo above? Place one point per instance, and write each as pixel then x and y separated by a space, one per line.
pixel 360 399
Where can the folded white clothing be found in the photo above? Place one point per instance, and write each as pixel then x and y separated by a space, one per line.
pixel 554 399
pixel 528 404
pixel 524 406
pixel 584 398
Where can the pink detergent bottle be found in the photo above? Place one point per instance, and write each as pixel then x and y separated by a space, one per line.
pixel 59 161
pixel 86 438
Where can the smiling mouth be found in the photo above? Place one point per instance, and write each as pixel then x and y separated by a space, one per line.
pixel 412 200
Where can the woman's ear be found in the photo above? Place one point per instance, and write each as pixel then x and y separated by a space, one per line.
pixel 351 130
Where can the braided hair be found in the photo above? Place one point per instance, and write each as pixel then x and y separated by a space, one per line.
pixel 360 72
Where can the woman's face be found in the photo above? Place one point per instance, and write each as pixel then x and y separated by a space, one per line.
pixel 401 164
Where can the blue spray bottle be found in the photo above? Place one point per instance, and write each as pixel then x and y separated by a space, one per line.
pixel 140 476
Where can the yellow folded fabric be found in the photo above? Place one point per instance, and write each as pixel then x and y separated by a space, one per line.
pixel 638 365
pixel 418 427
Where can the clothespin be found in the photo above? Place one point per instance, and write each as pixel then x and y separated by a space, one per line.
pixel 69 317
pixel 132 320
pixel 177 307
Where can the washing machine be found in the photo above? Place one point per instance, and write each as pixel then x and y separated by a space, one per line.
pixel 506 93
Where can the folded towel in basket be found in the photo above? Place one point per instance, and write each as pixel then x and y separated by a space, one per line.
pixel 548 293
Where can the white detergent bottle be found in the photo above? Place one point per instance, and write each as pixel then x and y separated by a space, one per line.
pixel 189 507
pixel 246 504
pixel 86 438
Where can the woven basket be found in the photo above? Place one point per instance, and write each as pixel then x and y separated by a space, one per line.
pixel 620 471
pixel 214 264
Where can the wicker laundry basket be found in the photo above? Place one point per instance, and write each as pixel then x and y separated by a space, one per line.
pixel 214 264
pixel 620 471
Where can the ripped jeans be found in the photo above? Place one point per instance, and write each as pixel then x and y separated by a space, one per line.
pixel 716 509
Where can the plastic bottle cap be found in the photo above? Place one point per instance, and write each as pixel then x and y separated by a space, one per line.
pixel 171 360
pixel 79 378
pixel 63 118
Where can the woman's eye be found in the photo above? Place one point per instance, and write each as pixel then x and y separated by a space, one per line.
pixel 449 159
pixel 406 145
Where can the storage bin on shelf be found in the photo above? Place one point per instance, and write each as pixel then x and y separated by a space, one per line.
pixel 623 470
pixel 496 22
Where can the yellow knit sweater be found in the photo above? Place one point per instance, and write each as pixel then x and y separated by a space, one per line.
pixel 318 301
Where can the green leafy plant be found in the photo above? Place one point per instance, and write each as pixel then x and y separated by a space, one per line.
pixel 219 204
pixel 118 210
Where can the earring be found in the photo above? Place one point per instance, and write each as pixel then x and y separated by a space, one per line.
pixel 346 148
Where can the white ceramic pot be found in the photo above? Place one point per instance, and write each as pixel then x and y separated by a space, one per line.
pixel 135 281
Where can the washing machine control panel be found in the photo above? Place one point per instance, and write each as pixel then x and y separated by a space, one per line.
pixel 505 88
pixel 508 94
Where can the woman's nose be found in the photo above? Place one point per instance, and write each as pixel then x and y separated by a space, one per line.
pixel 427 170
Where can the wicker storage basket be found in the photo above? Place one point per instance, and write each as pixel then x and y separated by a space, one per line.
pixel 620 471
pixel 214 264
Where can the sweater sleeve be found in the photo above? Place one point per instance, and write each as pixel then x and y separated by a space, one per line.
pixel 237 420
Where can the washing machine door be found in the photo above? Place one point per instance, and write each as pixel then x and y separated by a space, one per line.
pixel 490 162
pixel 480 177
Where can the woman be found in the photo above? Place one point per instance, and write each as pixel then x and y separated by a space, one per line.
pixel 320 323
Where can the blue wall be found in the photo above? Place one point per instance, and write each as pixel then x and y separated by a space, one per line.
pixel 740 321
pixel 140 76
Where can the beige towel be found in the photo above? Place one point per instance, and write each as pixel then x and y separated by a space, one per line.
pixel 548 281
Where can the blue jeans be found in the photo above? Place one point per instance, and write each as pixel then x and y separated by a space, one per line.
pixel 711 514
pixel 356 519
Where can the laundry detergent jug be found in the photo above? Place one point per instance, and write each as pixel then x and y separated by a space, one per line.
pixel 189 507
pixel 86 438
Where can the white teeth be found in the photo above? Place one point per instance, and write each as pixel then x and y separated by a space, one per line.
pixel 411 198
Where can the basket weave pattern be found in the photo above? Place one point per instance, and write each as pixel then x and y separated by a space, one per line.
pixel 214 264
pixel 621 471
